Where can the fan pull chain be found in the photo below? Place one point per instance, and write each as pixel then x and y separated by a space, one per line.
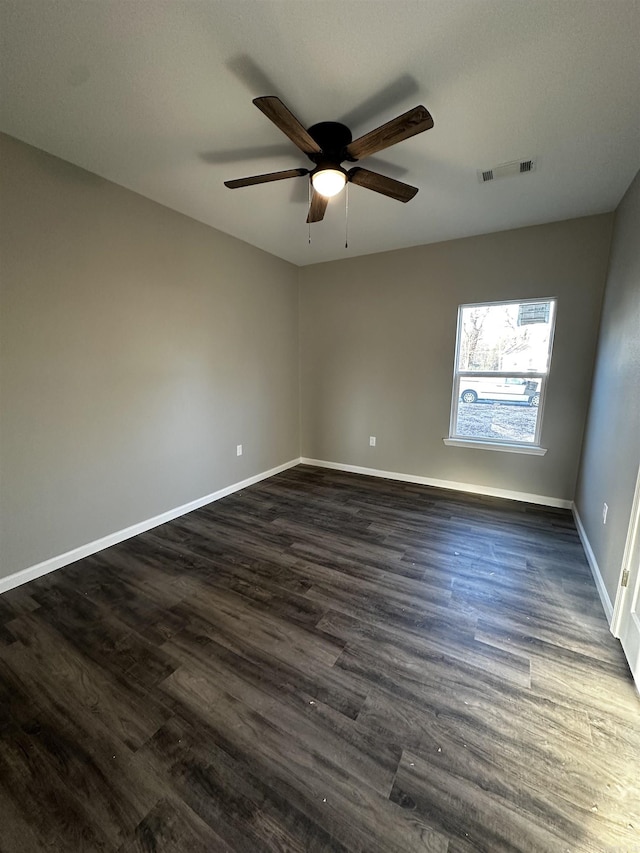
pixel 308 216
pixel 346 217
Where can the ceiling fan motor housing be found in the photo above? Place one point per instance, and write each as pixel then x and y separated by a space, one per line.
pixel 333 138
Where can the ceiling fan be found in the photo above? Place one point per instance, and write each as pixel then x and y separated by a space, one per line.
pixel 328 144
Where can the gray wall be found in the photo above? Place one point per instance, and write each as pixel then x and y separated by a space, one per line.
pixel 138 347
pixel 611 453
pixel 377 347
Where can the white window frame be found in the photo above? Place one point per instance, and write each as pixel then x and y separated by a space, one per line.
pixel 532 448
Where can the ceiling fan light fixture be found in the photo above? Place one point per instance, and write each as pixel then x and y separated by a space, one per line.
pixel 328 144
pixel 328 181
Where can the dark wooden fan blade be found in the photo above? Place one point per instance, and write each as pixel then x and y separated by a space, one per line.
pixel 408 124
pixel 283 118
pixel 317 208
pixel 382 184
pixel 264 179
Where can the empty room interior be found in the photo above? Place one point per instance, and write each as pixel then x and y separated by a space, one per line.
pixel 320 426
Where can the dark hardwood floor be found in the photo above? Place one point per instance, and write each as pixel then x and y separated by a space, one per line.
pixel 322 662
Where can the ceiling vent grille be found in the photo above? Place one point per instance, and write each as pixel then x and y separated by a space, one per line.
pixel 506 170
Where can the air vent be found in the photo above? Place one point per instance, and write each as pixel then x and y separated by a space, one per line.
pixel 506 170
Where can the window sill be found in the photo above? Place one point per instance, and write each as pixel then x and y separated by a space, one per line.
pixel 527 449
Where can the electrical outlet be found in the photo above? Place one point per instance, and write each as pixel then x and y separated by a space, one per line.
pixel 372 441
pixel 605 510
pixel 239 450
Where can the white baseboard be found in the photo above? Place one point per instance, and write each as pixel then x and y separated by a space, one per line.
pixel 50 565
pixel 444 484
pixel 607 606
pixel 33 572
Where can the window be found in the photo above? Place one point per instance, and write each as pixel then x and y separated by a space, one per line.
pixel 502 361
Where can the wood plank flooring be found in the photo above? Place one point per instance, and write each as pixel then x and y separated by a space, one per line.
pixel 322 662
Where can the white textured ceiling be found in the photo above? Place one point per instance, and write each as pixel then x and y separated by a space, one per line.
pixel 156 96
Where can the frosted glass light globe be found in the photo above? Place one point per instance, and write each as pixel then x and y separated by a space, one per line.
pixel 328 182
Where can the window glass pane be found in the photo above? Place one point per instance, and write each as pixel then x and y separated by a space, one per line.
pixel 515 336
pixel 498 409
